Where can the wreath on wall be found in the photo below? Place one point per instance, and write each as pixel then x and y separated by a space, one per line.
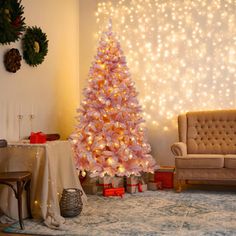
pixel 12 60
pixel 35 46
pixel 11 21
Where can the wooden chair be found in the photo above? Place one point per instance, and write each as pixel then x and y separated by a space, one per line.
pixel 18 181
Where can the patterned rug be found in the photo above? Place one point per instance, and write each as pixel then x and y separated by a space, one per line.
pixel 192 212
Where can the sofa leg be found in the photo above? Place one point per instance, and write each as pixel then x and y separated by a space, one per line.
pixel 179 185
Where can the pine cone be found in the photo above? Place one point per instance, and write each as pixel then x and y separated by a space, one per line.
pixel 12 60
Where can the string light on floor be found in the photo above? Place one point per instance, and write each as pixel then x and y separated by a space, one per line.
pixel 182 54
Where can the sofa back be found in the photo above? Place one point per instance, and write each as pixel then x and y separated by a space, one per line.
pixel 208 132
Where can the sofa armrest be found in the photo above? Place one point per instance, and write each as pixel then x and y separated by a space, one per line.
pixel 179 149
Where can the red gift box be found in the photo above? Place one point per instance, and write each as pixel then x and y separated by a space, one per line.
pixel 107 192
pixel 38 137
pixel 166 176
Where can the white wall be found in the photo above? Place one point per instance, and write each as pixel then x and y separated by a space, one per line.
pixel 181 54
pixel 50 89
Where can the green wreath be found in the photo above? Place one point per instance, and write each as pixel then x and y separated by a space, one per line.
pixel 11 21
pixel 35 46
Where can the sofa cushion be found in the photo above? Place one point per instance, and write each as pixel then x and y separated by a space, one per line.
pixel 200 161
pixel 230 161
pixel 211 132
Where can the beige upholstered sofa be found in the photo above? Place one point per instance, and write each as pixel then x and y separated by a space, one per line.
pixel 207 146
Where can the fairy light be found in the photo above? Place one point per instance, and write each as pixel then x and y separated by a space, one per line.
pixel 110 161
pixel 121 169
pixel 192 57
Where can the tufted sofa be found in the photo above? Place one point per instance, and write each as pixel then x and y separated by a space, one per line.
pixel 207 146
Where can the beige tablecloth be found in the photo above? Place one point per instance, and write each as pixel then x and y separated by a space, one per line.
pixel 52 168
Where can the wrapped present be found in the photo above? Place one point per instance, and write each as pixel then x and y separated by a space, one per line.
pixel 132 184
pixel 165 175
pixel 107 192
pixel 89 184
pixel 132 180
pixel 142 187
pixel 38 137
pixel 104 180
pixel 132 188
pixel 151 177
pixel 135 184
pixel 90 188
pixel 159 185
pixel 103 183
pixel 152 185
pixel 117 182
pixel 145 177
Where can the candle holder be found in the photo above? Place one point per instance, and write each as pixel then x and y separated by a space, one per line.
pixel 20 118
pixel 31 118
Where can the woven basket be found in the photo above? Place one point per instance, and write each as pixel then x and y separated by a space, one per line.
pixel 71 203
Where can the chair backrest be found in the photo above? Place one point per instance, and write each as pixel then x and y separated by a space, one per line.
pixel 208 132
pixel 3 143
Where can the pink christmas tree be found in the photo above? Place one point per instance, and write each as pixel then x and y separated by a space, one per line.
pixel 110 138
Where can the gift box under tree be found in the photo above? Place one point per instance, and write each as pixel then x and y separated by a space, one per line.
pixel 89 185
pixel 153 186
pixel 111 186
pixel 110 182
pixel 90 188
pixel 108 192
pixel 103 183
pixel 117 182
pixel 135 184
pixel 165 175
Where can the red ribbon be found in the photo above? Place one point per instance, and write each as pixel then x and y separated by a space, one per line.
pixel 105 185
pixel 140 189
pixel 139 185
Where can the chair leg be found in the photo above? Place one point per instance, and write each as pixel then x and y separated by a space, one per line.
pixel 19 198
pixel 27 188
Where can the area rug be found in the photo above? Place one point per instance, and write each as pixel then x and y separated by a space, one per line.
pixel 191 212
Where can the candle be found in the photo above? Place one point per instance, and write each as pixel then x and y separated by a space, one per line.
pixel 71 190
pixel 32 109
pixel 20 109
